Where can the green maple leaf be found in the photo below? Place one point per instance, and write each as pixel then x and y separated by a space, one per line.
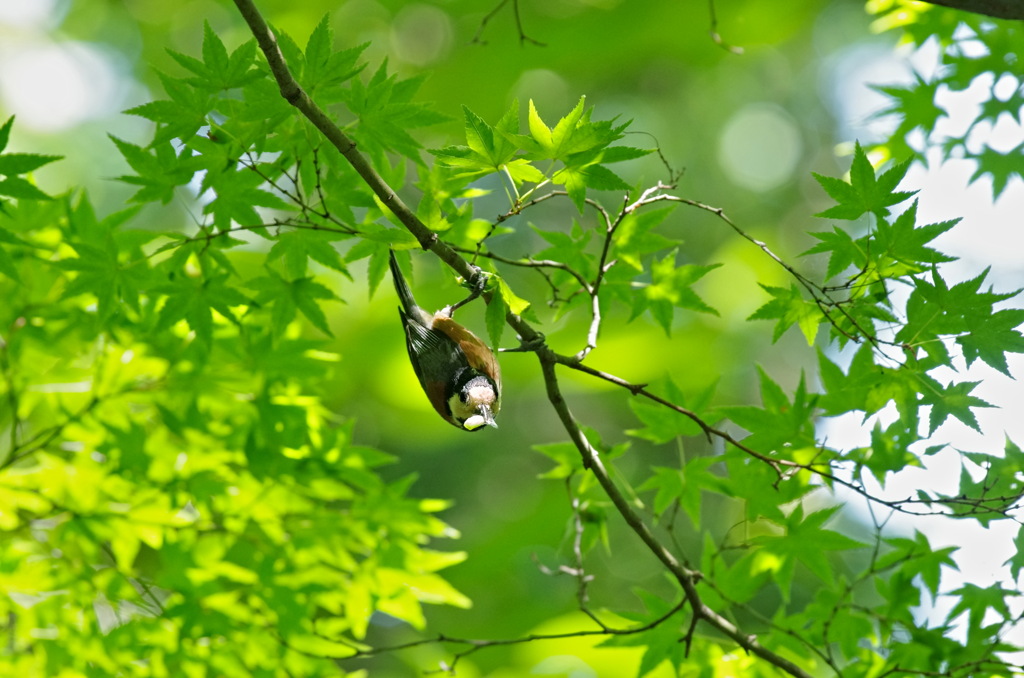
pixel 790 308
pixel 180 116
pixel 806 541
pixel 237 193
pixel 7 266
pixel 660 643
pixel 194 300
pixel 956 400
pixel 976 601
pixel 993 338
pixel 492 144
pixel 218 70
pixel 779 423
pixel 578 178
pixel 843 251
pixel 905 243
pixel 671 288
pixel 635 236
pixel 566 457
pixel 685 486
pixel 108 264
pixel 386 109
pixel 290 296
pixel 889 451
pixel 662 424
pixel 935 309
pixel 993 108
pixel 159 170
pixel 1000 166
pixel 503 301
pixel 581 146
pixel 555 143
pixel 866 386
pixel 297 246
pixel 1016 561
pixel 917 557
pixel 377 248
pixel 12 165
pixel 321 70
pixel 569 248
pixel 915 104
pixel 998 490
pixel 865 193
pixel 490 149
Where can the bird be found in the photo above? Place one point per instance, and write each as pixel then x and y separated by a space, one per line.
pixel 458 372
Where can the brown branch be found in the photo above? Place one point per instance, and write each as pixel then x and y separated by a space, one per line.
pixel 530 262
pixel 686 577
pixel 479 644
pixel 46 436
pixel 523 37
pixel 1000 9
pixel 1003 505
pixel 580 572
pixel 818 293
pixel 293 93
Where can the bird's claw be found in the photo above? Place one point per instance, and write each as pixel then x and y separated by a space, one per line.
pixel 476 283
pixel 527 346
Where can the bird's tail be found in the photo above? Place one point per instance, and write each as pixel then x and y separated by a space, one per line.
pixel 402 288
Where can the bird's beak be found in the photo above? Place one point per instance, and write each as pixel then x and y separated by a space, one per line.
pixel 488 417
pixel 479 420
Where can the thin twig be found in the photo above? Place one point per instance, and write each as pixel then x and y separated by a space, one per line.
pixel 530 262
pixel 715 36
pixel 7 368
pixel 43 439
pixel 523 37
pixel 603 265
pixel 820 297
pixel 686 577
pixel 1003 505
pixel 294 94
pixel 479 644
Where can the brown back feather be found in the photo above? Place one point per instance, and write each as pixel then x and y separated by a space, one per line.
pixel 479 356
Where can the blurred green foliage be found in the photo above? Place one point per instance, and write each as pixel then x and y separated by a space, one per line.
pixel 193 476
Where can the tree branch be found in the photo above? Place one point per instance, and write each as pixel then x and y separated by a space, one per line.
pixel 1000 9
pixel 523 37
pixel 480 644
pixel 293 93
pixel 687 578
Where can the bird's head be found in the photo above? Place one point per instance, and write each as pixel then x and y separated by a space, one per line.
pixel 474 405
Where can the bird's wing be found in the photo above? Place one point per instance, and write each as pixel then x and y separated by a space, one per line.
pixel 478 355
pixel 436 359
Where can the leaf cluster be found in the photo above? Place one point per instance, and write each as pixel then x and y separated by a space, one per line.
pixel 173 480
pixel 975 52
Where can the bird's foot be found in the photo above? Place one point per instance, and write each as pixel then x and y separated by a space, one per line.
pixel 528 346
pixel 476 283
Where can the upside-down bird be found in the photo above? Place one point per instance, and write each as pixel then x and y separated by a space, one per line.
pixel 457 371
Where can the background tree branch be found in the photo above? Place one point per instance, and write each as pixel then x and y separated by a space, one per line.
pixel 999 9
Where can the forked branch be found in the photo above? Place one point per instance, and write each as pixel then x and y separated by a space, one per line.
pixel 687 578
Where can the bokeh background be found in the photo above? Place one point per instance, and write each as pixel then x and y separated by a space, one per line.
pixel 746 130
